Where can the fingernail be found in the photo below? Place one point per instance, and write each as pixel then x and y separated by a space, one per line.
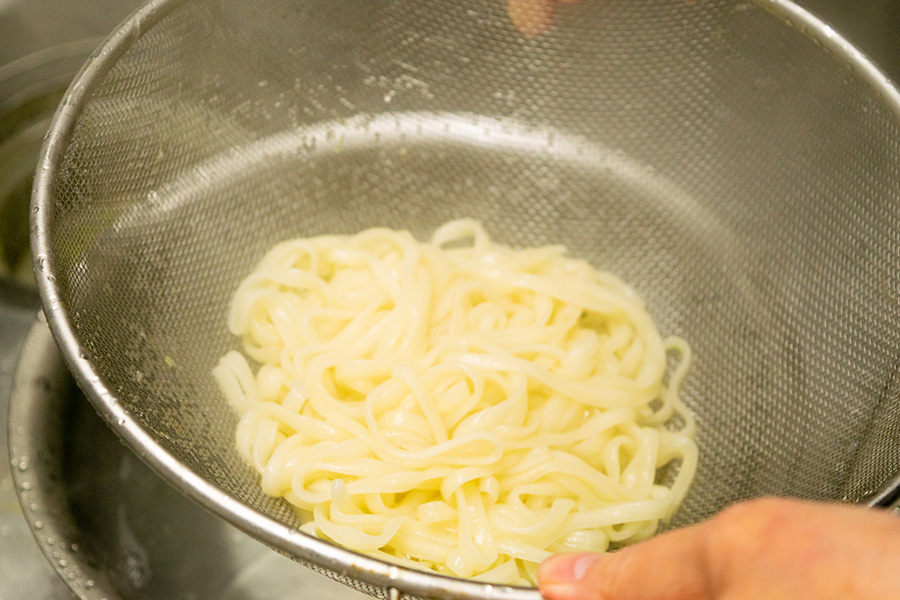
pixel 565 568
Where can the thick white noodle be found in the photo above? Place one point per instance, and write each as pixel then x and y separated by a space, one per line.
pixel 457 405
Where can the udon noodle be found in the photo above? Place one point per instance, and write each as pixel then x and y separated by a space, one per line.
pixel 457 405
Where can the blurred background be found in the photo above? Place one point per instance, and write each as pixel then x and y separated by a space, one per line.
pixel 42 44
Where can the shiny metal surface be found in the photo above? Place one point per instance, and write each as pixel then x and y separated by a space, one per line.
pixel 42 44
pixel 698 159
pixel 24 572
pixel 29 26
pixel 870 25
pixel 30 89
pixel 111 527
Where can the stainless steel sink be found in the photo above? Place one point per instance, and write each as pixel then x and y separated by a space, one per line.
pixel 42 43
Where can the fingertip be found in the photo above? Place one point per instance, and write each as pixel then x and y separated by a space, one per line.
pixel 531 17
pixel 566 568
pixel 559 577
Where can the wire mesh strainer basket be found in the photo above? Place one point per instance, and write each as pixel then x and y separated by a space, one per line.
pixel 737 162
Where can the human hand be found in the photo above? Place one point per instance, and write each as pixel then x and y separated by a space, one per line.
pixel 533 17
pixel 774 549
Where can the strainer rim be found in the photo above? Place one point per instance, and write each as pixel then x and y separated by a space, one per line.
pixel 272 532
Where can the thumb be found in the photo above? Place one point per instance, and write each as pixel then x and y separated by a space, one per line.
pixel 672 566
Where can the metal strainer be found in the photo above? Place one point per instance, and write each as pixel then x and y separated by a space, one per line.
pixel 737 162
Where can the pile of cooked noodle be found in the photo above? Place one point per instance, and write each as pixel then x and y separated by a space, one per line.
pixel 457 405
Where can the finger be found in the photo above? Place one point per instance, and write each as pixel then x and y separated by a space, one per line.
pixel 531 17
pixel 672 566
